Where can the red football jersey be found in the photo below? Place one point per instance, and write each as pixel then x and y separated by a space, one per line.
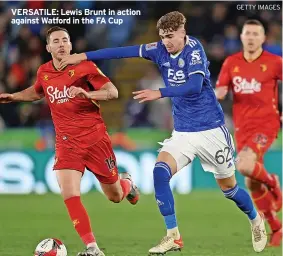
pixel 255 89
pixel 75 119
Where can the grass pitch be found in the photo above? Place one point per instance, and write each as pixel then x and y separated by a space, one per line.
pixel 210 225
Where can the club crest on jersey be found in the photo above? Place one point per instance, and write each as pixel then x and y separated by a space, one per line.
pixel 181 63
pixel 45 77
pixel 236 69
pixel 260 139
pixel 151 46
pixel 263 67
pixel 71 73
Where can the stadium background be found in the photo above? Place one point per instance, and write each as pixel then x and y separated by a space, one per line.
pixel 27 136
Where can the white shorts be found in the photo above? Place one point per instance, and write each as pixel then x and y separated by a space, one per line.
pixel 214 148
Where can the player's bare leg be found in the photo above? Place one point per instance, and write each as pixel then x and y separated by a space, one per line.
pixel 250 166
pixel 267 199
pixel 123 187
pixel 264 201
pixel 69 182
pixel 164 169
pixel 244 202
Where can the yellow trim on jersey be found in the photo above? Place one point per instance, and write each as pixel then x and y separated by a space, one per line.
pixel 100 72
pixel 96 103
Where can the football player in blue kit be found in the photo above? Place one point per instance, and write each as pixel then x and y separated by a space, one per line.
pixel 199 129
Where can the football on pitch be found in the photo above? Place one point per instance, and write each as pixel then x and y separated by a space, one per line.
pixel 50 247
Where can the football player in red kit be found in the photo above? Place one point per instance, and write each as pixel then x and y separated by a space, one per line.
pixel 252 76
pixel 81 137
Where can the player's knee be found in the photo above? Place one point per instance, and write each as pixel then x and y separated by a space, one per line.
pixel 161 173
pixel 245 165
pixel 66 194
pixel 115 197
pixel 241 166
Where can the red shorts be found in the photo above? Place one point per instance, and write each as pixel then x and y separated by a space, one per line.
pixel 259 140
pixel 98 158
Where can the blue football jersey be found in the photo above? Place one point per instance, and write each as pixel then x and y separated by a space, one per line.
pixel 191 113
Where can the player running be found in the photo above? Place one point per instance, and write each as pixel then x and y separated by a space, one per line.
pixel 81 137
pixel 198 123
pixel 252 76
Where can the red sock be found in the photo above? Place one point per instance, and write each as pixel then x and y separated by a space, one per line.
pixel 263 199
pixel 273 221
pixel 260 174
pixel 126 187
pixel 80 219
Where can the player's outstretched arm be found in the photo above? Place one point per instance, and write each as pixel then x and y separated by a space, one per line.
pixel 107 92
pixel 102 54
pixel 27 95
pixel 193 86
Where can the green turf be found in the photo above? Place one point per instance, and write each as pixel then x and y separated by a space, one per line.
pixel 210 225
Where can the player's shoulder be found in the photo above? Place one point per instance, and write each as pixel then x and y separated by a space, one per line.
pixel 192 43
pixel 85 66
pixel 46 67
pixel 273 57
pixel 238 56
pixel 153 45
pixel 86 63
pixel 193 48
pixel 156 47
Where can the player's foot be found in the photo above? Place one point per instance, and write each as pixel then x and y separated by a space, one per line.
pixel 91 251
pixel 276 238
pixel 259 237
pixel 134 195
pixel 167 244
pixel 276 191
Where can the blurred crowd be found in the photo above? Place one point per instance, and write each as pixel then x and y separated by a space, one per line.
pixel 216 24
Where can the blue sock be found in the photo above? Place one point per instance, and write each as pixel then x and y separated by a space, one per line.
pixel 242 200
pixel 163 194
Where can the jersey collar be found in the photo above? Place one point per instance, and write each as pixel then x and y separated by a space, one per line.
pixel 254 59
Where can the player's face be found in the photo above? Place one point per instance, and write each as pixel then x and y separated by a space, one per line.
pixel 174 41
pixel 252 38
pixel 59 45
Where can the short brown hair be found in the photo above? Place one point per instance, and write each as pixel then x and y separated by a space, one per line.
pixel 171 21
pixel 254 22
pixel 53 29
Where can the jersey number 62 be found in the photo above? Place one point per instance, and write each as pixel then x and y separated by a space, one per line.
pixel 223 156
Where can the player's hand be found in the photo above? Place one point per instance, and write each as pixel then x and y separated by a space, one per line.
pixel 147 95
pixel 71 59
pixel 221 92
pixel 80 92
pixel 6 98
